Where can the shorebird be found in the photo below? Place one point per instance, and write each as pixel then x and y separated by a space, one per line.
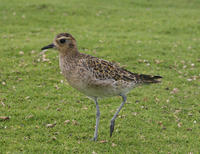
pixel 95 77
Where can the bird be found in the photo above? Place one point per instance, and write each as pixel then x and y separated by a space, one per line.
pixel 95 77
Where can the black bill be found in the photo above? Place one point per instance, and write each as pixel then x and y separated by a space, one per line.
pixel 48 46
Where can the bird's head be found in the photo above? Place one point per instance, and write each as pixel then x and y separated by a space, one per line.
pixel 64 42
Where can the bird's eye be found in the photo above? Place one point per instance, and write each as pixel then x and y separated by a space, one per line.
pixel 62 41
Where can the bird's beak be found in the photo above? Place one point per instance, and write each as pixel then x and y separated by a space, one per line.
pixel 48 46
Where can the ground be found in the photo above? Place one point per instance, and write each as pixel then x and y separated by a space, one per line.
pixel 41 113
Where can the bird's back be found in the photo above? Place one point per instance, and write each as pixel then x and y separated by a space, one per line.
pixel 103 70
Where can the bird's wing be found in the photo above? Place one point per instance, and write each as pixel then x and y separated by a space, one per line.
pixel 103 70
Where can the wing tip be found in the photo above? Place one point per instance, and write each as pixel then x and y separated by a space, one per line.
pixel 150 78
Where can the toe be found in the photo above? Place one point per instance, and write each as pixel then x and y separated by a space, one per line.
pixel 94 139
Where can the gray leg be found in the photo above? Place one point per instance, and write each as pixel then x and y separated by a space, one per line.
pixel 97 120
pixel 112 122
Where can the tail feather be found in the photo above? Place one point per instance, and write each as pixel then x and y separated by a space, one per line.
pixel 149 78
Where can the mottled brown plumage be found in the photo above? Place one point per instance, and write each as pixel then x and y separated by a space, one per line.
pixel 95 77
pixel 106 70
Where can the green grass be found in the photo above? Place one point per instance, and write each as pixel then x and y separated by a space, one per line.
pixel 151 37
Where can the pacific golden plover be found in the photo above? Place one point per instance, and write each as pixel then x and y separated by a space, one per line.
pixel 95 77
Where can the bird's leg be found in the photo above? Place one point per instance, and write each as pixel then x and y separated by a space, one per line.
pixel 112 122
pixel 97 120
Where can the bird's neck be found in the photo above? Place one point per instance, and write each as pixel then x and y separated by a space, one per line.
pixel 68 62
pixel 70 53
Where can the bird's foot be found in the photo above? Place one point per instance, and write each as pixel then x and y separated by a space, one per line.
pixel 112 125
pixel 94 139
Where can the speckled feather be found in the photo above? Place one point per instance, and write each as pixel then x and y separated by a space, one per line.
pixel 103 70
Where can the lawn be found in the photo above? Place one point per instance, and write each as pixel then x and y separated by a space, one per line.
pixel 41 113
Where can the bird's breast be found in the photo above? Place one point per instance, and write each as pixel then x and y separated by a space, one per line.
pixel 76 75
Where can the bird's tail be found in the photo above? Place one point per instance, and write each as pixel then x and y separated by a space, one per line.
pixel 149 78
